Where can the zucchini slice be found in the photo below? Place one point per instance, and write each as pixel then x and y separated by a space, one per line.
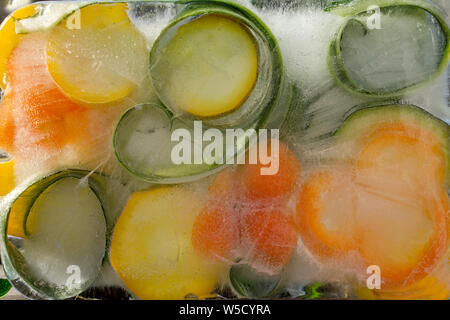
pixel 410 47
pixel 374 124
pixel 143 146
pixel 64 218
pixel 208 67
pixel 152 250
pixel 232 77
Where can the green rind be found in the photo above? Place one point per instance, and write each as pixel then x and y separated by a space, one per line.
pixel 13 262
pixel 335 61
pixel 359 123
pixel 171 175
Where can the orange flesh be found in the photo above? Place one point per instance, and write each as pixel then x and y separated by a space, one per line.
pixel 258 186
pixel 408 153
pixel 215 233
pixel 403 239
pixel 35 107
pixel 326 212
pixel 225 186
pixel 400 208
pixel 405 234
pixel 35 115
pixel 270 239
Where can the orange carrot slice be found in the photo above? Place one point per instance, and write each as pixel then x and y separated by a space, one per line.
pixel 269 239
pixel 258 186
pixel 326 213
pixel 35 107
pixel 215 233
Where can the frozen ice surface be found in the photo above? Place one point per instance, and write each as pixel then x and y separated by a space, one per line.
pixel 304 35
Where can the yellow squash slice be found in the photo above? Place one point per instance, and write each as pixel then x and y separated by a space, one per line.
pixel 151 247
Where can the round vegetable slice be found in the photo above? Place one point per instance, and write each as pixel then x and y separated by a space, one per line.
pixel 215 234
pixel 407 48
pixel 9 38
pixel 326 212
pixel 407 127
pixel 402 230
pixel 33 108
pixel 63 246
pixel 146 128
pixel 201 88
pixel 151 247
pixel 269 240
pixel 404 234
pixel 101 60
pixel 407 153
pixel 277 179
pixel 216 231
pixel 41 127
pixel 209 65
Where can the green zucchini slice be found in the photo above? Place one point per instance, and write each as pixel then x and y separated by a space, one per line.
pixel 407 47
pixel 143 145
pixel 65 225
pixel 219 80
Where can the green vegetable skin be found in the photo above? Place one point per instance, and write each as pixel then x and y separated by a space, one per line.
pixel 416 13
pixel 5 286
pixel 24 198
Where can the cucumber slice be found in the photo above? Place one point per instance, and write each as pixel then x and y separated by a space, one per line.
pixel 142 144
pixel 410 47
pixel 64 245
pixel 49 15
pixel 249 283
pixel 361 123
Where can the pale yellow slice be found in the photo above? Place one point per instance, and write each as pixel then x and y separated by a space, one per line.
pixel 151 246
pixel 96 56
pixel 208 68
